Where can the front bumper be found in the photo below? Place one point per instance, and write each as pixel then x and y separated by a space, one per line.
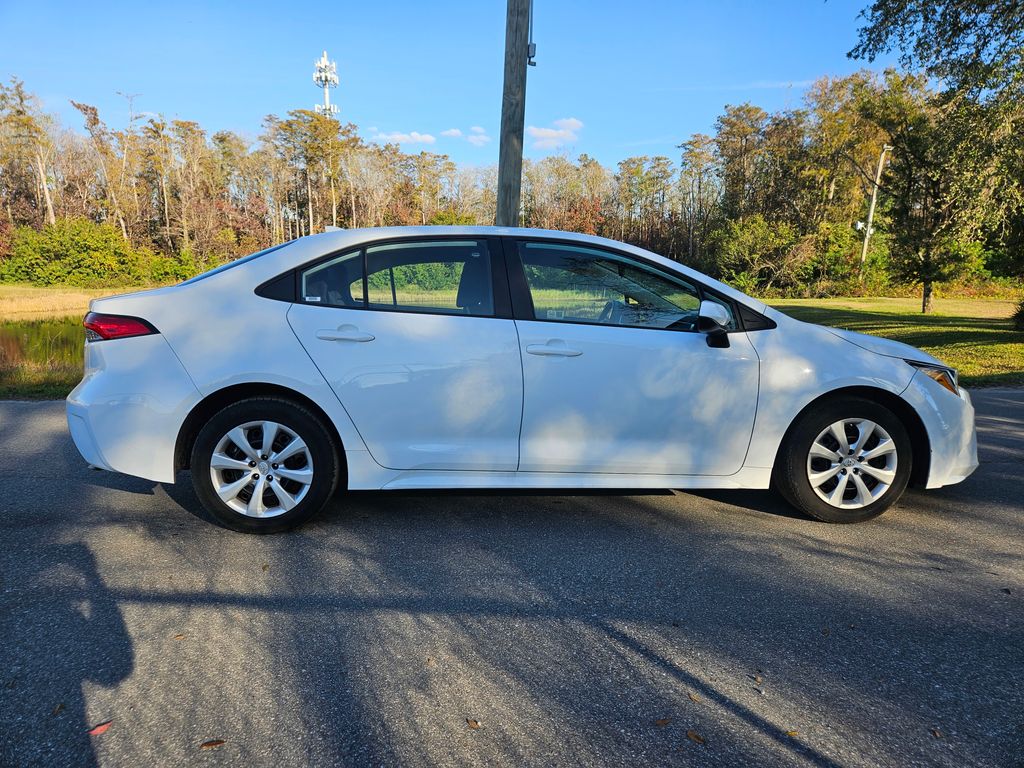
pixel 126 412
pixel 949 421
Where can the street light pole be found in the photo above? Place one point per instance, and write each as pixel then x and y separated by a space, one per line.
pixel 513 112
pixel 871 209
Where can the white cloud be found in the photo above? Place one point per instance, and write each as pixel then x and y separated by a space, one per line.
pixel 566 130
pixel 477 136
pixel 413 137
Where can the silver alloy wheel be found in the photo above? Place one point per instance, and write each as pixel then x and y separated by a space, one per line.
pixel 261 469
pixel 852 463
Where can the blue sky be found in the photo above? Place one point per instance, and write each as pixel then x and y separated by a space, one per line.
pixel 613 79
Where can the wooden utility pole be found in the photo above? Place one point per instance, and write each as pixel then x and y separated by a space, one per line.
pixel 871 209
pixel 513 113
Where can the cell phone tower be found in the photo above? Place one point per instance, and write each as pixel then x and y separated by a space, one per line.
pixel 326 76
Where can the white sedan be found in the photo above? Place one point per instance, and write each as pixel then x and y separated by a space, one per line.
pixel 485 357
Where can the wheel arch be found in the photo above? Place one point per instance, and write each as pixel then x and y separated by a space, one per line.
pixel 920 444
pixel 215 401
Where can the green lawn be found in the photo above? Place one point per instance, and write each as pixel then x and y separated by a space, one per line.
pixel 972 335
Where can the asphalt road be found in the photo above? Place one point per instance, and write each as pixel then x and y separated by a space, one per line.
pixel 596 629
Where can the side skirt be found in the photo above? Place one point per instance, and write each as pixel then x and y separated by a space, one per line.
pixel 364 474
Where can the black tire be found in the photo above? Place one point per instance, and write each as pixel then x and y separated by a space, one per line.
pixel 791 469
pixel 326 465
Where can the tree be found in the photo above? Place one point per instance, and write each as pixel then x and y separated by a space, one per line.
pixel 976 50
pixel 105 145
pixel 930 234
pixel 739 138
pixel 700 194
pixel 24 144
pixel 975 46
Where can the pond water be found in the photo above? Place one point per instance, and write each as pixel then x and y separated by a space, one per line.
pixel 55 343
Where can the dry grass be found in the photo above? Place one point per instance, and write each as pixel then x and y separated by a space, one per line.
pixel 29 302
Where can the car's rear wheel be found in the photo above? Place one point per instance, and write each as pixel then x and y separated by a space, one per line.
pixel 845 461
pixel 263 465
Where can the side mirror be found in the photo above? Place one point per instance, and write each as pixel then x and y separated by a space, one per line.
pixel 712 320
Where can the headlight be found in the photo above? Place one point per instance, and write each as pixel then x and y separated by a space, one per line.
pixel 940 373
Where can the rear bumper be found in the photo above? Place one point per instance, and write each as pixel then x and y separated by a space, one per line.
pixel 949 421
pixel 126 412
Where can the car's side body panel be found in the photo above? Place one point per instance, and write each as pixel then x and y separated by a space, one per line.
pixel 949 421
pixel 223 334
pixel 800 363
pixel 428 391
pixel 634 400
pixel 126 412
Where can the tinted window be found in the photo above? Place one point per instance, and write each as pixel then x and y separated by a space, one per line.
pixel 571 283
pixel 452 276
pixel 335 283
pixel 429 276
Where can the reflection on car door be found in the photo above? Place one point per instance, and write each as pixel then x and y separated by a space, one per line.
pixel 617 379
pixel 407 336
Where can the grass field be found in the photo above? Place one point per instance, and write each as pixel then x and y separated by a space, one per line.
pixel 41 335
pixel 973 335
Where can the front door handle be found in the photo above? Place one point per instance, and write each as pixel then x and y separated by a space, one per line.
pixel 554 348
pixel 345 332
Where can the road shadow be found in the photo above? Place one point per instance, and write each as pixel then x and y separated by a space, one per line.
pixel 60 630
pixel 567 626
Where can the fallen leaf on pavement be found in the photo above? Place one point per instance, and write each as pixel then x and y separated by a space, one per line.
pixel 101 728
pixel 212 744
pixel 662 722
pixel 431 662
pixel 58 709
pixel 474 724
pixel 826 631
pixel 695 737
pixel 757 679
pixel 179 636
pixel 1007 590
pixel 694 698
pixel 266 567
pixel 791 734
pixel 936 733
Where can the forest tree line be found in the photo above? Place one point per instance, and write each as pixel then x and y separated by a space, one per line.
pixel 768 201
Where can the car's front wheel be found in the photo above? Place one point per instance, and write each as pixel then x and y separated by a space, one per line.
pixel 264 465
pixel 845 461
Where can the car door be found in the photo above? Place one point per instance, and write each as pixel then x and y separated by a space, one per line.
pixel 617 377
pixel 420 349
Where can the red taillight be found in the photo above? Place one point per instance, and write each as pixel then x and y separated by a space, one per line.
pixel 99 327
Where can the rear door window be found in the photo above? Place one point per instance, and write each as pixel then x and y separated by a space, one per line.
pixel 432 276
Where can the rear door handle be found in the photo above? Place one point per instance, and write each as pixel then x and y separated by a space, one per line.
pixel 554 348
pixel 345 332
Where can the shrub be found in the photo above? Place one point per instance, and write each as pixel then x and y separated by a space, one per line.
pixel 83 253
pixel 759 252
pixel 1018 317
